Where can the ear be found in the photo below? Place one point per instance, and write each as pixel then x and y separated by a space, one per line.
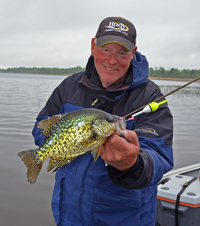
pixel 93 46
pixel 133 51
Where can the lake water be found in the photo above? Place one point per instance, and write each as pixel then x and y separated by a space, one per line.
pixel 21 99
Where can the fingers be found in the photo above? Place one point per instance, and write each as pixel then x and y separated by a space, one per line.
pixel 127 142
pixel 131 137
pixel 121 152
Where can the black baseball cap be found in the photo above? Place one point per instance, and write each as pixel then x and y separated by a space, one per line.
pixel 118 30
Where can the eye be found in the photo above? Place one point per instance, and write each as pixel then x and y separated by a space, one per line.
pixel 104 50
pixel 110 119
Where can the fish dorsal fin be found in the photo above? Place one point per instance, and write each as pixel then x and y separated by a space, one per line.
pixel 47 124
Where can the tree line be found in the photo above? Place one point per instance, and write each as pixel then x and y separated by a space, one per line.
pixel 43 70
pixel 173 73
pixel 153 72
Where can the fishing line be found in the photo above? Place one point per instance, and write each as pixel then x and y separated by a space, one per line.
pixel 163 96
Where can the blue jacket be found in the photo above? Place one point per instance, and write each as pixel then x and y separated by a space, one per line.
pixel 84 192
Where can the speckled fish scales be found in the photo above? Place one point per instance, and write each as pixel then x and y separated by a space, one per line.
pixel 69 136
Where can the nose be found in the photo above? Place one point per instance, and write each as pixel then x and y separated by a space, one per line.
pixel 112 58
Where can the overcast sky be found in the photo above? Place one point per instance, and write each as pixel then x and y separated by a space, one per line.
pixel 57 33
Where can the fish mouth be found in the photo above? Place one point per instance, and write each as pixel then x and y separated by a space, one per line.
pixel 120 125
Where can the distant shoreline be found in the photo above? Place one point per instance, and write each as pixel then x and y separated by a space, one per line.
pixel 171 79
pixel 151 78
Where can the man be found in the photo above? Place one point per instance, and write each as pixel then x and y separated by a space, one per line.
pixel 120 187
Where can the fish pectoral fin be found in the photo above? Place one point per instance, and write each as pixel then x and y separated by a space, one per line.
pixel 47 124
pixel 96 153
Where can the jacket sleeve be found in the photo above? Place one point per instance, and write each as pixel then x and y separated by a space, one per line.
pixel 134 178
pixel 155 133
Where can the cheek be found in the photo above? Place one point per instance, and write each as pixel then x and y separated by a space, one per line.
pixel 99 59
pixel 127 62
pixel 124 65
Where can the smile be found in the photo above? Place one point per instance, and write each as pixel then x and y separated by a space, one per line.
pixel 110 69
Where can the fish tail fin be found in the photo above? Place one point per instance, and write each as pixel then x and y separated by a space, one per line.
pixel 96 153
pixel 29 159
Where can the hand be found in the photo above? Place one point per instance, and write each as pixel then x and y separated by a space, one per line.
pixel 121 152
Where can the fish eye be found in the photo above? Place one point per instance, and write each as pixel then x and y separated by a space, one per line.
pixel 110 119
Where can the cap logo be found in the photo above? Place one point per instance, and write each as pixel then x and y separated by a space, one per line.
pixel 117 26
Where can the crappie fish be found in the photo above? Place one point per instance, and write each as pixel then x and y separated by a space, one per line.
pixel 69 136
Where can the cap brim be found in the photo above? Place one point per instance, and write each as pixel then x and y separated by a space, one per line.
pixel 103 40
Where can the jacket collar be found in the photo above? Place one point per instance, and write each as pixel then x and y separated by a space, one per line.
pixel 91 78
pixel 137 75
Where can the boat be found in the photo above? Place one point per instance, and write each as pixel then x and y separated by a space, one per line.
pixel 178 197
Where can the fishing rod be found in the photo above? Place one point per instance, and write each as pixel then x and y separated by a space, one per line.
pixel 153 106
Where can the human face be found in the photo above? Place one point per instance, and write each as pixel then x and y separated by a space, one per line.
pixel 111 61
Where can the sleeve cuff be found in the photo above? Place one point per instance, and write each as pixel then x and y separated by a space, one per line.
pixel 136 177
